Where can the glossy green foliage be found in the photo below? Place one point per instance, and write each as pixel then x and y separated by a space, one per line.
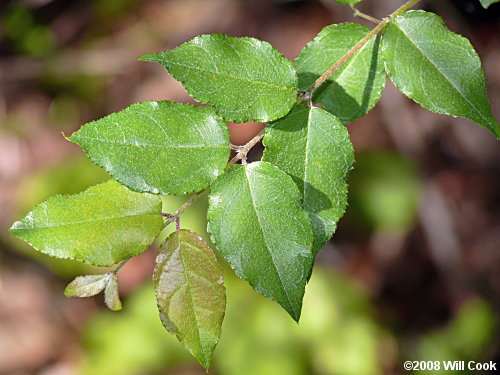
pixel 102 226
pixel 159 147
pixel 190 293
pixel 348 2
pixel 256 220
pixel 355 87
pixel 313 147
pixel 245 79
pixel 486 3
pixel 438 69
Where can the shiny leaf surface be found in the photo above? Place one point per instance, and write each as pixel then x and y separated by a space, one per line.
pixel 313 147
pixel 355 87
pixel 436 68
pixel 103 225
pixel 190 293
pixel 257 222
pixel 159 147
pixel 245 79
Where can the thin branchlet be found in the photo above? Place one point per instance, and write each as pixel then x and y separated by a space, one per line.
pixel 358 46
pixel 241 154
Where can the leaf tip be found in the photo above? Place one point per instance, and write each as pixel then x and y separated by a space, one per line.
pixel 148 57
pixel 295 315
pixel 13 228
pixel 205 361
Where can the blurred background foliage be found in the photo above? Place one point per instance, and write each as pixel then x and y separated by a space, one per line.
pixel 412 272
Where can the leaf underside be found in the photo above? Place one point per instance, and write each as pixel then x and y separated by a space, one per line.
pixel 103 225
pixel 256 220
pixel 437 68
pixel 190 293
pixel 355 87
pixel 159 147
pixel 86 286
pixel 313 147
pixel 111 294
pixel 245 79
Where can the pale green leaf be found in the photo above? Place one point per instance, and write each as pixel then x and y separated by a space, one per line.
pixel 257 222
pixel 245 79
pixel 111 294
pixel 355 87
pixel 103 225
pixel 348 2
pixel 436 68
pixel 159 147
pixel 487 3
pixel 86 286
pixel 313 147
pixel 190 293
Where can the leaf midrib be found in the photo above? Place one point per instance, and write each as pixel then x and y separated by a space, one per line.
pixel 234 77
pixel 188 283
pixel 306 158
pixel 440 72
pixel 139 145
pixel 83 222
pixel 266 242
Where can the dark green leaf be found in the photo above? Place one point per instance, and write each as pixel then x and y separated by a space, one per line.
pixel 487 3
pixel 86 286
pixel 159 147
pixel 190 292
pixel 245 79
pixel 314 148
pixel 355 87
pixel 436 68
pixel 111 294
pixel 256 220
pixel 103 225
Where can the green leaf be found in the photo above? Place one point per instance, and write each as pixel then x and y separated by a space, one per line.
pixel 348 2
pixel 111 294
pixel 355 87
pixel 86 286
pixel 436 68
pixel 245 79
pixel 487 3
pixel 190 292
pixel 159 147
pixel 257 223
pixel 104 225
pixel 314 148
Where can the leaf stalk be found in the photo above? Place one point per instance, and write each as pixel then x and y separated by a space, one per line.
pixel 358 13
pixel 241 154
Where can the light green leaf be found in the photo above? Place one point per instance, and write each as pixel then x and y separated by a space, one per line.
pixel 111 294
pixel 159 147
pixel 104 225
pixel 190 292
pixel 245 79
pixel 487 3
pixel 86 286
pixel 348 2
pixel 257 223
pixel 436 68
pixel 353 89
pixel 314 148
